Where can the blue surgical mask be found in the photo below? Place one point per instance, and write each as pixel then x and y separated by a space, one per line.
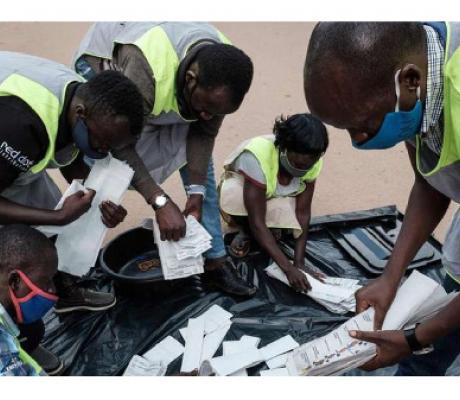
pixel 397 126
pixel 290 169
pixel 81 138
pixel 34 305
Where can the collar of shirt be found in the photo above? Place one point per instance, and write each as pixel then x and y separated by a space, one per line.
pixel 180 76
pixel 431 129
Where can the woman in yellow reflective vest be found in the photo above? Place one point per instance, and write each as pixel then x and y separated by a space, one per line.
pixel 268 185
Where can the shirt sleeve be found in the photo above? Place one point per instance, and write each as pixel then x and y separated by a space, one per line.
pixel 23 139
pixel 132 63
pixel 248 165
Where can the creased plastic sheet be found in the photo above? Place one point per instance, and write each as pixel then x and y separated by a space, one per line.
pixel 103 343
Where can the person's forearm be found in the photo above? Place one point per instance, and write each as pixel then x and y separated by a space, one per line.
pixel 444 323
pixel 300 244
pixel 11 213
pixel 142 180
pixel 425 209
pixel 266 240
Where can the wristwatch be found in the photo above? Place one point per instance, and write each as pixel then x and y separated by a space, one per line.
pixel 415 346
pixel 160 201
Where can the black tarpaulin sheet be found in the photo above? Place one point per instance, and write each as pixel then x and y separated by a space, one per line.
pixel 102 343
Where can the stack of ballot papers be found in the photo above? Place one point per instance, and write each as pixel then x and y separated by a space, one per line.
pixel 335 294
pixel 184 257
pixel 79 242
pixel 418 298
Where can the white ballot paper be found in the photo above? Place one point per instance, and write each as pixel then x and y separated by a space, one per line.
pixel 193 345
pixel 336 294
pixel 215 317
pixel 275 372
pixel 278 361
pixel 139 366
pixel 238 346
pixel 337 352
pixel 228 365
pixel 239 357
pixel 165 351
pixel 183 258
pixel 74 187
pixel 213 340
pixel 79 242
pixel 280 346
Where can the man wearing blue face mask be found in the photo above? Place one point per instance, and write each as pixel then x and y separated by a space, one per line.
pixel 387 83
pixel 49 118
pixel 27 292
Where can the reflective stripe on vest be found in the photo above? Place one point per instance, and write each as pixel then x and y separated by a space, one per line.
pixel 164 46
pixel 41 84
pixel 25 358
pixel 267 154
pixel 450 152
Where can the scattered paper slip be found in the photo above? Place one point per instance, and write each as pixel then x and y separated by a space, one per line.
pixel 139 366
pixel 165 351
pixel 193 345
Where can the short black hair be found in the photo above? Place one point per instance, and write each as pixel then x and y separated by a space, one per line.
pixel 225 65
pixel 371 49
pixel 112 93
pixel 301 133
pixel 24 247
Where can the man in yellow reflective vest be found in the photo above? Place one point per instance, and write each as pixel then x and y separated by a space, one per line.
pixel 387 83
pixel 49 118
pixel 190 77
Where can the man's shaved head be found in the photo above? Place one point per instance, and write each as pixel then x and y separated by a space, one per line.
pixel 350 68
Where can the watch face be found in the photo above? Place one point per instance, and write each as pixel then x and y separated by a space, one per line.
pixel 160 201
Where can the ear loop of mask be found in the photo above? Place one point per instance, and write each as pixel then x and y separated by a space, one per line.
pixel 398 90
pixel 34 290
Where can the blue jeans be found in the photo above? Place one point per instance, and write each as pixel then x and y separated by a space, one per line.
pixel 210 217
pixel 445 351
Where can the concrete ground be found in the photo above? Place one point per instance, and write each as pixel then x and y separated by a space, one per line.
pixel 351 179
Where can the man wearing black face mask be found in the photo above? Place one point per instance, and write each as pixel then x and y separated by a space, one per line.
pixel 49 118
pixel 190 77
pixel 26 292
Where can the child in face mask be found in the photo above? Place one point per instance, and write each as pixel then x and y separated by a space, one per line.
pixel 269 183
pixel 28 262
